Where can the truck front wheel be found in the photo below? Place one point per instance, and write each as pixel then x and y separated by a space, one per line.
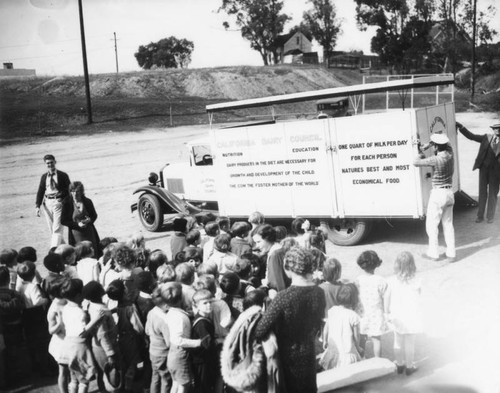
pixel 150 212
pixel 346 232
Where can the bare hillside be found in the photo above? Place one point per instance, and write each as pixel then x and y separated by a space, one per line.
pixel 209 83
pixel 163 98
pixel 138 100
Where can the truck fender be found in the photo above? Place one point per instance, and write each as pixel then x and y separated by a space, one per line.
pixel 173 203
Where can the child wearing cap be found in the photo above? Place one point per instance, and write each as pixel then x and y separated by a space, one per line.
pixel 54 264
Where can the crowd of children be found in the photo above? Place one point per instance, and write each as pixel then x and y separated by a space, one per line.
pixel 139 319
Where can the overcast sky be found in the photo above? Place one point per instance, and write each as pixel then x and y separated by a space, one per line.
pixel 44 34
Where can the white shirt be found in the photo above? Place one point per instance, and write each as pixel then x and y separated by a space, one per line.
pixel 208 249
pixel 87 270
pixel 74 319
pixel 48 186
pixel 32 294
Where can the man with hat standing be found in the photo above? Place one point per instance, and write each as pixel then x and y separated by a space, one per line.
pixel 441 199
pixel 488 162
pixel 51 192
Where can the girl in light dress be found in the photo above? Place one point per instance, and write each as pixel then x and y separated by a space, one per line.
pixel 56 329
pixel 341 334
pixel 404 312
pixel 372 290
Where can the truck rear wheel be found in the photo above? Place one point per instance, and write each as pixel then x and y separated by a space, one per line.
pixel 150 212
pixel 346 232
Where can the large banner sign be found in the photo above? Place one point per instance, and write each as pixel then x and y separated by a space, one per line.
pixel 278 169
pixel 373 165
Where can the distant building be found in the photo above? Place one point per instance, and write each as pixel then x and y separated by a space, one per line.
pixel 354 60
pixel 295 48
pixel 8 70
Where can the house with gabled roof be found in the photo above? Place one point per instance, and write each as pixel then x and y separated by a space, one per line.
pixel 295 47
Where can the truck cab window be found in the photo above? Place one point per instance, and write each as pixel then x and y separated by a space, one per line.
pixel 202 155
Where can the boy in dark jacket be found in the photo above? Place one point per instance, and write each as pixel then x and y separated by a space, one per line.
pixel 204 358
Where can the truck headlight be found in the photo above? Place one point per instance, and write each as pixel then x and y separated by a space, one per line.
pixel 153 179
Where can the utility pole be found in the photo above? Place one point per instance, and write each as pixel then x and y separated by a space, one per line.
pixel 116 54
pixel 473 60
pixel 85 68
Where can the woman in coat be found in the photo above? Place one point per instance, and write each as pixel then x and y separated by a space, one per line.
pixel 79 215
pixel 295 317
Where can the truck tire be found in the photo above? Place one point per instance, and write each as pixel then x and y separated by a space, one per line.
pixel 346 232
pixel 150 212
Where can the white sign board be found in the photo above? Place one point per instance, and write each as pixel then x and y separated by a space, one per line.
pixel 373 163
pixel 277 169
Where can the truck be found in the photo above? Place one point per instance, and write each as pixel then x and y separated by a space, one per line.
pixel 341 172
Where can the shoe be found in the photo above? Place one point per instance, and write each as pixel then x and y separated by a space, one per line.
pixel 425 256
pixel 400 369
pixel 490 221
pixel 410 370
pixel 479 219
pixel 450 259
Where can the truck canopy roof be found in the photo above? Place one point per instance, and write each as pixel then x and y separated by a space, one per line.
pixel 404 84
pixel 332 100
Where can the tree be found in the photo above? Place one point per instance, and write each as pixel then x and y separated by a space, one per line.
pixel 390 16
pixel 322 22
pixel 169 52
pixel 260 22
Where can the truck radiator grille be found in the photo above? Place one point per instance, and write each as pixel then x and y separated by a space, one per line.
pixel 175 185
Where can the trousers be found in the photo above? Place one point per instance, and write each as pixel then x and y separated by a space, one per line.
pixel 440 209
pixel 52 209
pixel 489 184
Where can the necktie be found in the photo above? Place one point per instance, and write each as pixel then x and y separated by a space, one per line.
pixel 53 184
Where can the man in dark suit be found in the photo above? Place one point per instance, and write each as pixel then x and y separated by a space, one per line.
pixel 488 162
pixel 53 189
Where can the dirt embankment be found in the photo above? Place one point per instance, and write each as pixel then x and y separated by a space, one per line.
pixel 138 100
pixel 32 107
